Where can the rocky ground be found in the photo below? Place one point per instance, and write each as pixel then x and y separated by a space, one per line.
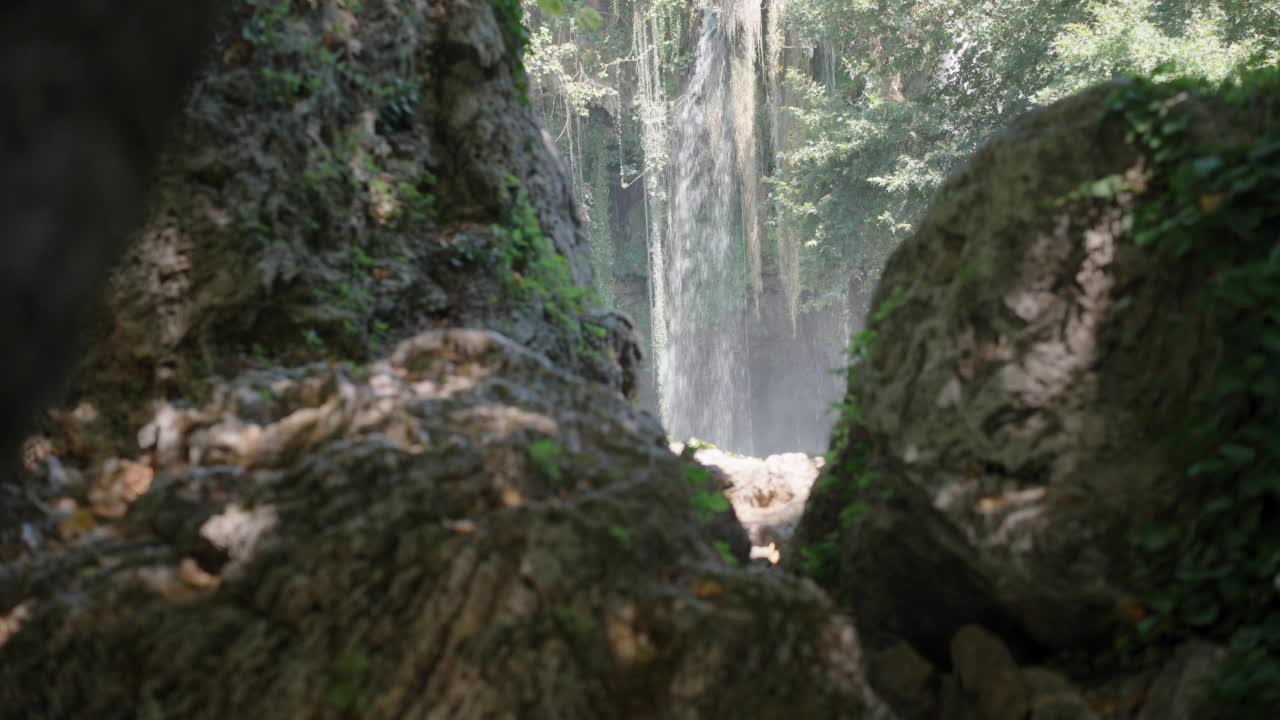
pixel 768 494
pixel 462 531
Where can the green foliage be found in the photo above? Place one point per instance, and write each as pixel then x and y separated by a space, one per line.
pixel 547 456
pixel 1145 37
pixel 285 86
pixel 418 202
pixel 589 18
pixel 313 339
pixel 535 271
pixel 876 103
pixel 349 693
pixel 266 26
pixel 903 93
pixel 820 559
pixel 708 500
pixel 621 535
pixel 552 7
pixel 511 19
pixel 400 101
pixel 1216 569
pixel 726 553
pixel 575 622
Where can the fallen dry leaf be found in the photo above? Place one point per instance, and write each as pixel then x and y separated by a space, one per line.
pixel 12 622
pixel 707 588
pixel 1130 609
pixel 76 525
pixel 120 483
pixel 1210 202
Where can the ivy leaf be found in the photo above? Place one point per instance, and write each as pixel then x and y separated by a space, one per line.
pixel 726 553
pixel 1156 538
pixel 1147 626
pixel 1203 616
pixel 1206 467
pixel 1207 165
pixel 712 502
pixel 1217 505
pixel 1163 603
pixel 1237 454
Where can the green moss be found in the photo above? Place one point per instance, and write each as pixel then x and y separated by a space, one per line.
pixel 510 16
pixel 725 553
pixel 575 622
pixel 266 26
pixel 349 693
pixel 1215 568
pixel 417 199
pixel 547 455
pixel 708 500
pixel 535 271
pixel 849 480
pixel 621 535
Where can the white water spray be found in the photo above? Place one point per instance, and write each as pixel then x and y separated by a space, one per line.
pixel 713 264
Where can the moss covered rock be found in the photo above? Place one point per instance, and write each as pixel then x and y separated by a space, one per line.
pixel 346 175
pixel 1015 432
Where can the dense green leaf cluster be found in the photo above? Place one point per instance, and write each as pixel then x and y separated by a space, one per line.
pixel 511 17
pixel 536 271
pixel 1216 569
pixel 900 94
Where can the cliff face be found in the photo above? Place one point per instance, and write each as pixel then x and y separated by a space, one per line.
pixel 348 175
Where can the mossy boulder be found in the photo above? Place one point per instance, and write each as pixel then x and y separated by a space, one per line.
pixel 1011 427
pixel 346 175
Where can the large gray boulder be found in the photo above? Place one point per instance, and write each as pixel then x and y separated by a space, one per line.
pixel 1030 364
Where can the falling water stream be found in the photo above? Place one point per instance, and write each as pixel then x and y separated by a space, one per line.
pixel 705 377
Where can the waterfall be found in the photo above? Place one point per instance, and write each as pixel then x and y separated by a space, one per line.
pixel 651 106
pixel 713 248
pixel 746 29
pixel 734 361
pixel 776 98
